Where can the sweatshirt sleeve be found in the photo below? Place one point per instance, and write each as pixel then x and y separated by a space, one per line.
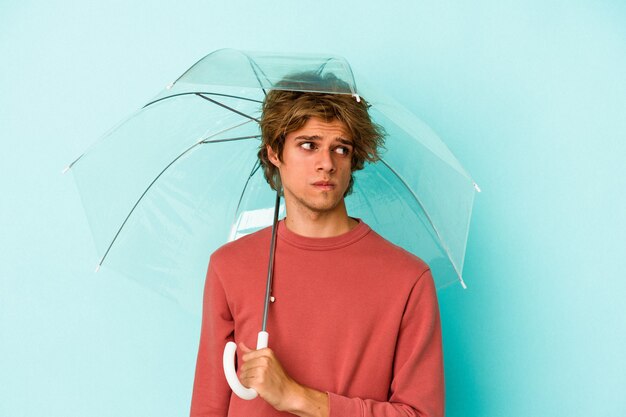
pixel 417 388
pixel 211 394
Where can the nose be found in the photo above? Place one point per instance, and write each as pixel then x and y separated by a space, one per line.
pixel 325 161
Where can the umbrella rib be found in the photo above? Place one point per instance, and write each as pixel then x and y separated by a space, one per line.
pixel 230 139
pixel 68 167
pixel 201 142
pixel 228 108
pixel 429 220
pixel 200 93
pixel 321 67
pixel 255 168
pixel 253 64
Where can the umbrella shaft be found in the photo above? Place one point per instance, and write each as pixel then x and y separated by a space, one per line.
pixel 270 267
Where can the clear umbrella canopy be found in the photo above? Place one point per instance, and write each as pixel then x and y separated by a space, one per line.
pixel 180 177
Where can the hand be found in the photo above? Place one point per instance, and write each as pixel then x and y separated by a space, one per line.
pixel 262 371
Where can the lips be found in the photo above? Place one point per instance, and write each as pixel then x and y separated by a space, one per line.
pixel 324 185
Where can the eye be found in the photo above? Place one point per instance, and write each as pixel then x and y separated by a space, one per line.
pixel 342 150
pixel 307 145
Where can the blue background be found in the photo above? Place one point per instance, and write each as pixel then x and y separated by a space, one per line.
pixel 529 95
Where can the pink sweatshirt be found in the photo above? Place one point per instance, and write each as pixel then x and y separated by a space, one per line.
pixel 354 316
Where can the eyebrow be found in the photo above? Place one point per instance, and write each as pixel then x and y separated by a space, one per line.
pixel 317 137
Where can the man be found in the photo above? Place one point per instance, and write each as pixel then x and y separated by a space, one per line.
pixel 354 329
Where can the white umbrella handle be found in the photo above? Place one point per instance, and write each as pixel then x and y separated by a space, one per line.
pixel 229 367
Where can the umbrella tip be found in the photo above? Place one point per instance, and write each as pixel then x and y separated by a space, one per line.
pixel 99 265
pixel 357 97
pixel 169 86
pixel 463 285
pixel 67 168
pixel 476 187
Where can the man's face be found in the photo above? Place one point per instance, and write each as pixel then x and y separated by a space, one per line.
pixel 316 165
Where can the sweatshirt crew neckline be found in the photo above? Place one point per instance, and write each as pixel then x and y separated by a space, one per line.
pixel 323 243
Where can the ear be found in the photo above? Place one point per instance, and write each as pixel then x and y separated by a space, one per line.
pixel 272 156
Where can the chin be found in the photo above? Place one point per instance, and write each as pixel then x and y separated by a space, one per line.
pixel 318 202
pixel 322 206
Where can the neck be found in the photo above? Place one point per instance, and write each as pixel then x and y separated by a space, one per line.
pixel 318 224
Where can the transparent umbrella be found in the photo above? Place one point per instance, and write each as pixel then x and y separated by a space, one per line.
pixel 180 177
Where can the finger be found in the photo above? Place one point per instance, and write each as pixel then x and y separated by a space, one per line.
pixel 251 380
pixel 259 362
pixel 244 348
pixel 249 354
